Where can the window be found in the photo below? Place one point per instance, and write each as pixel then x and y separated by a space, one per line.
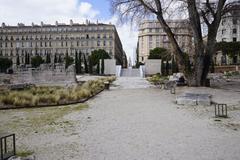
pixel 223 21
pixel 98 36
pixel 234 39
pixel 223 31
pixel 150 38
pixel 234 30
pixel 224 40
pixel 150 45
pixel 234 21
pixel 165 39
pixel 98 43
pixel 104 43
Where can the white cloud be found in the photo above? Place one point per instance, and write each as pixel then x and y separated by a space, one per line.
pixel 85 10
pixel 49 11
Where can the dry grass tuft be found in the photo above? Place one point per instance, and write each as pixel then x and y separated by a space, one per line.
pixel 53 95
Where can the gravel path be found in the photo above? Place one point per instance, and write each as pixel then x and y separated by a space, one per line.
pixel 132 121
pixel 142 123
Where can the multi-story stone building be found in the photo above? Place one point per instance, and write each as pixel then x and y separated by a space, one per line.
pixel 151 35
pixel 59 39
pixel 229 31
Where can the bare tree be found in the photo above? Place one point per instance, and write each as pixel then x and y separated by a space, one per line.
pixel 196 11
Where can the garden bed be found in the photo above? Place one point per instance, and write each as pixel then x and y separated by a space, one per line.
pixel 52 96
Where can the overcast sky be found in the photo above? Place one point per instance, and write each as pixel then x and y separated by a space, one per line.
pixel 49 11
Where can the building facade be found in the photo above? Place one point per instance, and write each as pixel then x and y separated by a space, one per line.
pixel 229 31
pixel 59 39
pixel 152 35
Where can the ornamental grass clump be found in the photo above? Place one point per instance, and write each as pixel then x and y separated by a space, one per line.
pixel 157 79
pixel 38 96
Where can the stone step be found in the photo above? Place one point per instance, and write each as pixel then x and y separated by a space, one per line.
pixel 130 73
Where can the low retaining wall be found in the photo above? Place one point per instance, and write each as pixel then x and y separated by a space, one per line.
pixel 222 69
pixel 50 77
pixel 153 66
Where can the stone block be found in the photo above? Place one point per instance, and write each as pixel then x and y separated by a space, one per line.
pixel 186 100
pixel 203 100
pixel 194 99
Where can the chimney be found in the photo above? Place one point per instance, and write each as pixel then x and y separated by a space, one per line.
pixel 56 23
pixel 71 22
pixel 42 24
pixel 32 24
pixel 3 25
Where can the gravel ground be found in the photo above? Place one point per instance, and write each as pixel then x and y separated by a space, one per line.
pixel 132 121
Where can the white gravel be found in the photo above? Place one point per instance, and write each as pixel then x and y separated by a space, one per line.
pixel 136 121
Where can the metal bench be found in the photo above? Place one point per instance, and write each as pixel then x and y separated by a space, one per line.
pixel 7 146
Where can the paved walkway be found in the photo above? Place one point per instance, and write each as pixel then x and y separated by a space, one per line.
pixel 134 121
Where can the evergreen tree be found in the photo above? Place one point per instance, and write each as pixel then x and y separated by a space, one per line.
pixel 59 59
pixel 48 58
pixel 98 68
pixel 76 62
pixel 167 67
pixel 26 58
pixel 90 65
pixel 36 61
pixel 85 63
pixel 5 63
pixel 68 61
pixel 174 66
pixel 55 58
pixel 102 66
pixel 163 68
pixel 80 62
pixel 18 60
